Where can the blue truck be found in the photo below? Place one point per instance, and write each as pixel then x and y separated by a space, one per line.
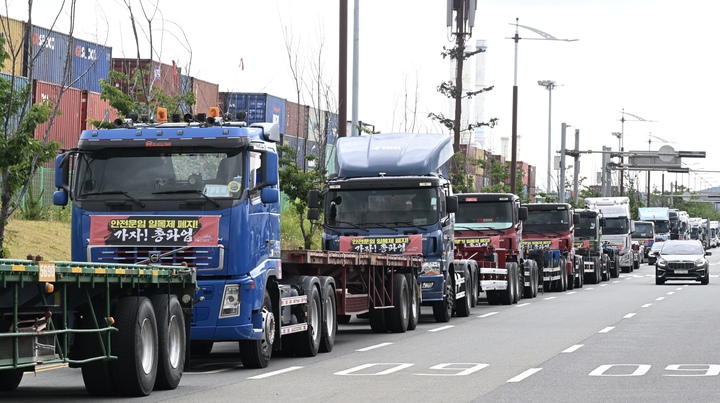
pixel 389 196
pixel 202 193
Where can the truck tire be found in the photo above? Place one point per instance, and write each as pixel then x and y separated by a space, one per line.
pixel 414 301
pixel 581 275
pixel 534 278
pixel 507 297
pixel 399 316
pixel 136 344
pixel 442 310
pixel 615 267
pixel 473 288
pixel 329 325
pixel 307 343
pixel 257 353
pixel 519 284
pixel 171 341
pixel 10 379
pixel 528 290
pixel 493 297
pixel 462 307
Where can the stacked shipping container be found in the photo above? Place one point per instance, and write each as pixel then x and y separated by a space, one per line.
pixel 14 33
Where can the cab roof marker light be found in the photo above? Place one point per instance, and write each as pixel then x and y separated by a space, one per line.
pixel 334 186
pixel 425 184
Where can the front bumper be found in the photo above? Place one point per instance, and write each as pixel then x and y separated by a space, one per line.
pixel 695 274
pixel 432 286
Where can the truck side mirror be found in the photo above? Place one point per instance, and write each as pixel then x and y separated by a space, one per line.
pixel 451 203
pixel 576 219
pixel 269 171
pixel 523 213
pixel 313 198
pixel 269 195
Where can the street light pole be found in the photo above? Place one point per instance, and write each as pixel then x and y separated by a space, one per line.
pixel 549 85
pixel 622 136
pixel 516 38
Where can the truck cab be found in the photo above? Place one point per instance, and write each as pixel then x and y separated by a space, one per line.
pixel 590 247
pixel 617 230
pixel 643 238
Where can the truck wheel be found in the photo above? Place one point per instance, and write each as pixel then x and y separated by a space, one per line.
pixel 519 284
pixel 343 319
pixel 442 310
pixel 10 379
pixel 462 307
pixel 563 275
pixel 136 345
pixel 637 265
pixel 171 341
pixel 399 316
pixel 257 353
pixel 329 326
pixel 414 302
pixel 507 297
pixel 615 269
pixel 528 290
pixel 534 277
pixel 308 342
pixel 581 276
pixel 201 347
pixel 571 279
pixel 473 289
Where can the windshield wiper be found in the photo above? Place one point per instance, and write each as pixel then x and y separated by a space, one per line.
pixel 115 192
pixel 382 225
pixel 408 223
pixel 208 198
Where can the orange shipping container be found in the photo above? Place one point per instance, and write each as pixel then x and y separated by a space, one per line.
pixel 14 33
pixel 66 125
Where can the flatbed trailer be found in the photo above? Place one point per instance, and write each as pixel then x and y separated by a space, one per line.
pixel 385 286
pixel 84 315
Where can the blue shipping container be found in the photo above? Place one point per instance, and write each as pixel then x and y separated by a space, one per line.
pixel 49 49
pixel 259 107
pixel 331 127
pixel 20 85
pixel 91 62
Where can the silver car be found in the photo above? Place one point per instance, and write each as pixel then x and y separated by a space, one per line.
pixel 682 260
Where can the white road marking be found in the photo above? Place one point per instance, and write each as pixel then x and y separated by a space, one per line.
pixel 521 305
pixel 524 375
pixel 616 281
pixel 437 329
pixel 607 329
pixel 572 348
pixel 628 316
pixel 278 372
pixel 645 306
pixel 671 293
pixel 659 298
pixel 628 278
pixel 571 293
pixel 603 285
pixel 374 347
pixel 678 289
pixel 488 314
pixel 549 298
pixel 588 289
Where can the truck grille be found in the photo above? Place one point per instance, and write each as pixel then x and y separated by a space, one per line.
pixel 198 257
pixel 681 265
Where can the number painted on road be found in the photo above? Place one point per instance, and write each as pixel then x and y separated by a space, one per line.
pixel 640 369
pixel 710 370
pixel 394 367
pixel 461 371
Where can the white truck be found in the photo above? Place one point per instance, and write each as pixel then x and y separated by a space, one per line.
pixel 714 242
pixel 660 216
pixel 616 233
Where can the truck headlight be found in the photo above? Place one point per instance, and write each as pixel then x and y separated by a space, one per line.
pixel 430 268
pixel 230 301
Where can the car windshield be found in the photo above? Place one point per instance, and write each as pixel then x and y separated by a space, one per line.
pixel 682 248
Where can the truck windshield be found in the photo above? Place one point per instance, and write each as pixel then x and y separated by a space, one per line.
pixel 587 226
pixel 484 215
pixel 662 227
pixel 616 226
pixel 547 220
pixel 368 208
pixel 643 230
pixel 147 174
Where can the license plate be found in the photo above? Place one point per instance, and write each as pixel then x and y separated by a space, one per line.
pixel 680 271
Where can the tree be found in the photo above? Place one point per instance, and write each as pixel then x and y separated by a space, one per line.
pixel 296 183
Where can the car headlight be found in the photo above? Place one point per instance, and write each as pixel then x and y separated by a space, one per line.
pixel 661 262
pixel 430 268
pixel 230 301
pixel 700 263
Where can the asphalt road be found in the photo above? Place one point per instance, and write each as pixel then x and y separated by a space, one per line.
pixel 626 340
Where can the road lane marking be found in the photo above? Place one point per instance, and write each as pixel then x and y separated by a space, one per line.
pixel 441 328
pixel 572 348
pixel 571 292
pixel 549 298
pixel 678 289
pixel 603 285
pixel 671 293
pixel 374 347
pixel 645 306
pixel 628 316
pixel 278 372
pixel 607 329
pixel 616 281
pixel 488 314
pixel 524 375
pixel 588 289
pixel 628 278
pixel 659 298
pixel 521 305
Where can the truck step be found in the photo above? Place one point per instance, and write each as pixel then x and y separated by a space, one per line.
pixel 287 301
pixel 297 328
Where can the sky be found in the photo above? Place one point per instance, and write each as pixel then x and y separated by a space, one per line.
pixel 654 59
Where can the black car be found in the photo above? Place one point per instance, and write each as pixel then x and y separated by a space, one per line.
pixel 682 260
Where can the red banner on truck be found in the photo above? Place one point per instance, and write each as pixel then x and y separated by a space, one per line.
pixel 396 245
pixel 154 230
